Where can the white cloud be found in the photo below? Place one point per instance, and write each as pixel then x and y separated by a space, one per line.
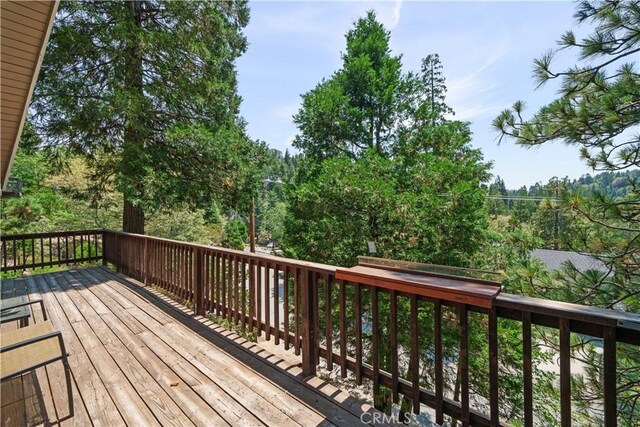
pixel 471 95
pixel 390 17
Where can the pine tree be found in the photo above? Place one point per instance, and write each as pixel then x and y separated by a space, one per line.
pixel 598 111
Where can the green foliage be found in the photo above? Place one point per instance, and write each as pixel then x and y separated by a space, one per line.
pixel 273 222
pixel 596 111
pixel 235 234
pixel 350 203
pixel 383 164
pixel 152 84
pixel 180 224
pixel 359 107
pixel 55 198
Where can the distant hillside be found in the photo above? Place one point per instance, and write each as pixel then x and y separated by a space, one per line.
pixel 616 184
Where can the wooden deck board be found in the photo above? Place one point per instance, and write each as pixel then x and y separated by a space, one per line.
pixel 138 358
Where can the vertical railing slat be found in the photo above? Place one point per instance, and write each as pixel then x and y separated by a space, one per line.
pixel 493 368
pixel 328 326
pixel 343 328
pixel 464 364
pixel 393 342
pixel 276 305
pixel 565 373
pixel 285 303
pixel 357 303
pixel 439 375
pixel 375 344
pixel 609 368
pixel 414 364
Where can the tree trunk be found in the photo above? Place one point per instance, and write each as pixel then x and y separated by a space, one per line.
pixel 132 218
pixel 134 137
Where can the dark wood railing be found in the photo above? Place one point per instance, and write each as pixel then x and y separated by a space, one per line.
pixel 354 326
pixel 37 250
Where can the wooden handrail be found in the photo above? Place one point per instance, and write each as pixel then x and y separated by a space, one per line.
pixel 304 305
pixel 38 250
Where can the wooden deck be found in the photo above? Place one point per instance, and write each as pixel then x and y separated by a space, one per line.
pixel 140 359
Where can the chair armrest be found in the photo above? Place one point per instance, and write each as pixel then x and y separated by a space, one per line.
pixel 55 334
pixel 29 302
pixel 21 304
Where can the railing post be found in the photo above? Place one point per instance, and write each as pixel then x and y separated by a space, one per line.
pixel 198 297
pixel 308 325
pixel 145 262
pixel 117 253
pixel 103 238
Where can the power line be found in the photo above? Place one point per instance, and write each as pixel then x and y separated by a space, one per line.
pixel 525 198
pixel 515 198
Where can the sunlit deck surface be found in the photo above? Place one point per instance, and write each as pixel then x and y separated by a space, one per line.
pixel 140 359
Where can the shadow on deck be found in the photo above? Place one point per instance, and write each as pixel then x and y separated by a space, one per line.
pixel 138 358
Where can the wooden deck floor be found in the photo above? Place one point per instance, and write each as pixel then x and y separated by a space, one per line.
pixel 140 359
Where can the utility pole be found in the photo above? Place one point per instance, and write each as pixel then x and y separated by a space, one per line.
pixel 252 226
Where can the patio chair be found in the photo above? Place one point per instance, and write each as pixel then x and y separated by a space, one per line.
pixel 14 304
pixel 26 349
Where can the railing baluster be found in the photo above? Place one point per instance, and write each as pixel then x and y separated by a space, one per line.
pixel 296 309
pixel 439 376
pixel 308 324
pixel 357 302
pixel 33 253
pixel 565 373
pixel 493 368
pixel 209 281
pixel 259 296
pixel 243 293
pixel 4 254
pixel 252 294
pixel 375 342
pixel 276 304
pixel 328 326
pixel 285 303
pixel 199 287
pixel 224 284
pixel 230 275
pixel 393 342
pixel 218 284
pixel 343 328
pixel 236 280
pixel 185 273
pixel 609 368
pixel 267 302
pixel 464 365
pixel 41 252
pixel 415 358
pixel 527 369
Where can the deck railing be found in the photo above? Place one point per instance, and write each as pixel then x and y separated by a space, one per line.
pixel 36 250
pixel 371 332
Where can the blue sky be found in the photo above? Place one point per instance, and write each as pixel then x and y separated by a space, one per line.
pixel 486 49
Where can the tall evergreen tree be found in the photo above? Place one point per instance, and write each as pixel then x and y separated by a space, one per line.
pixel 435 88
pixel 154 83
pixel 382 162
pixel 358 107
